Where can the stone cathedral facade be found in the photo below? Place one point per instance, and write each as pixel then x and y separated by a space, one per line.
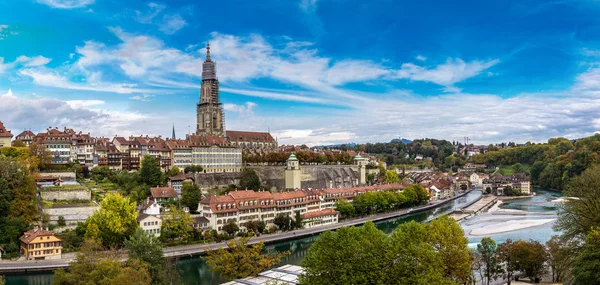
pixel 209 111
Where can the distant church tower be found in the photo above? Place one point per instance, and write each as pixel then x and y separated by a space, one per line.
pixel 209 110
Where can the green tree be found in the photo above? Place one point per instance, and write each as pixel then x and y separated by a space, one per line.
pixel 283 222
pixel 193 169
pixel 150 172
pixel 240 259
pixel 298 221
pixel 18 143
pixel 587 262
pixel 61 221
pixel 412 259
pixel 349 255
pixel 95 265
pixel 190 196
pixel 173 171
pixel 249 180
pixel 576 217
pixel 344 207
pixel 518 168
pixel 448 239
pixel 490 263
pixel 231 228
pixel 148 249
pixel 391 176
pixel 176 224
pixel 114 221
pixel 560 258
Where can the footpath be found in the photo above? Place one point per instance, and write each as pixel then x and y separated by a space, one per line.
pixel 197 249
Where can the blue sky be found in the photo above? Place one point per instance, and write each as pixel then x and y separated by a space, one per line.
pixel 311 71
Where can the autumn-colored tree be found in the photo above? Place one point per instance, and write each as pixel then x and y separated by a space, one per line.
pixel 529 257
pixel 114 221
pixel 240 260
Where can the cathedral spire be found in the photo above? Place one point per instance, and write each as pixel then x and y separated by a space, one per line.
pixel 173 131
pixel 208 51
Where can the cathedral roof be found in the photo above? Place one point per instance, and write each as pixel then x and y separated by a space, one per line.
pixel 250 136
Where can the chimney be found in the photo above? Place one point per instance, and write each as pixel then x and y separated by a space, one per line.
pixel 35 228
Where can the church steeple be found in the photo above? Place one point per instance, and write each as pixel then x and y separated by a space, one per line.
pixel 208 51
pixel 209 68
pixel 173 132
pixel 209 111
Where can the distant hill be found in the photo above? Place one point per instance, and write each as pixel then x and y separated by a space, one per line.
pixel 403 140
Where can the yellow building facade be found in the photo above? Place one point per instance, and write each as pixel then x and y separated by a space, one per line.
pixel 39 244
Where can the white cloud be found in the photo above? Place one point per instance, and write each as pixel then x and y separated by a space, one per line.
pixel 52 79
pixel 33 61
pixel 20 112
pixel 154 10
pixel 2 27
pixel 24 61
pixel 245 109
pixel 142 97
pixel 274 95
pixel 172 23
pixel 421 58
pixel 66 4
pixel 84 103
pixel 447 74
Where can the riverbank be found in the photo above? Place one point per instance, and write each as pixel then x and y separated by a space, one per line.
pixel 198 249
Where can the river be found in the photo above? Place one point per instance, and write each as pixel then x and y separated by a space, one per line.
pixel 195 271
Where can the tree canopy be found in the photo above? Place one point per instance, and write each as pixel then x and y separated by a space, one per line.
pixel 434 253
pixel 190 196
pixel 95 265
pixel 114 221
pixel 240 259
pixel 249 180
pixel 150 172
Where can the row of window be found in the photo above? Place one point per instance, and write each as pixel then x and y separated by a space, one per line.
pixel 152 231
pixel 44 252
pixel 153 223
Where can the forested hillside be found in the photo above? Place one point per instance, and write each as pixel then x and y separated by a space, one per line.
pixel 554 164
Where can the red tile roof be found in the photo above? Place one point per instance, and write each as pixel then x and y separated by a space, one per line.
pixel 4 133
pixel 25 133
pixel 321 213
pixel 163 192
pixel 250 136
pixel 30 235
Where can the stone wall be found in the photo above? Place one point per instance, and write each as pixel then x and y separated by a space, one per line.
pixel 209 180
pixel 273 177
pixel 312 176
pixel 71 214
pixel 65 195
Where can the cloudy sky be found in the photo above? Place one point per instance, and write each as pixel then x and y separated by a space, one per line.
pixel 311 71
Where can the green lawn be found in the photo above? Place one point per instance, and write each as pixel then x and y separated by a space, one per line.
pixel 508 170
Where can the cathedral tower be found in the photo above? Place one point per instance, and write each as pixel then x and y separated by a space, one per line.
pixel 209 110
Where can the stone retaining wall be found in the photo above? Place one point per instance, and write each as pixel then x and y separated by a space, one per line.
pixel 71 214
pixel 65 195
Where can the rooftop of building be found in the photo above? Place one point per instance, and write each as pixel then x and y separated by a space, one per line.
pixel 163 192
pixel 4 133
pixel 31 235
